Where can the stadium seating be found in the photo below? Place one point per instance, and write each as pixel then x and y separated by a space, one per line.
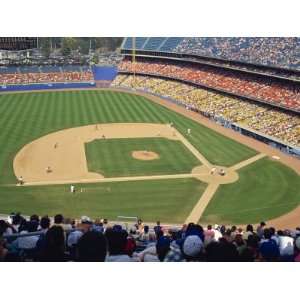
pixel 272 122
pixel 283 94
pixel 162 44
pixel 277 52
pixel 62 239
pixel 170 44
pixel 45 74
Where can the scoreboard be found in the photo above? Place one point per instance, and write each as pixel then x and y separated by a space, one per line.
pixel 17 43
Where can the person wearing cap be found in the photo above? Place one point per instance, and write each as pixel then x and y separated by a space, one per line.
pixel 192 248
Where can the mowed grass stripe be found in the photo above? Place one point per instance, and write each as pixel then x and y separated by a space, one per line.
pixel 147 113
pixel 138 110
pixel 120 113
pixel 158 115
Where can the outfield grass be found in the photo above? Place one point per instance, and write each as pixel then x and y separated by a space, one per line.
pixel 266 189
pixel 167 200
pixel 113 157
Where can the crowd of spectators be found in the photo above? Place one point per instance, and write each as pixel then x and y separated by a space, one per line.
pixel 281 73
pixel 273 122
pixel 100 240
pixel 46 76
pixel 243 84
pixel 271 51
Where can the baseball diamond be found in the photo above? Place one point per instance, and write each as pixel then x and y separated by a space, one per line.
pixel 131 153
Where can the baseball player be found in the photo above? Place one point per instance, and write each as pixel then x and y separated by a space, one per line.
pixel 20 180
pixel 72 189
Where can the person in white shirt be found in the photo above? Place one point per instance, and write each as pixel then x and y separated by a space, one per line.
pixel 286 244
pixel 72 188
pixel 28 242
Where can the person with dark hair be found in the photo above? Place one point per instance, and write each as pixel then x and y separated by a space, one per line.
pixel 98 226
pixel 59 221
pixel 35 218
pixel 239 243
pixel 223 229
pixel 16 221
pixel 268 248
pixel 249 231
pixel 222 251
pixel 117 241
pixel 260 229
pixel 274 235
pixel 45 223
pixel 253 245
pixel 5 228
pixel 209 235
pixel 92 247
pixel 145 235
pixel 157 228
pixel 162 247
pixel 130 246
pixel 140 226
pixel 54 247
pixel 27 242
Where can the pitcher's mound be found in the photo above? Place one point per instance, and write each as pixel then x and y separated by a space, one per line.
pixel 144 155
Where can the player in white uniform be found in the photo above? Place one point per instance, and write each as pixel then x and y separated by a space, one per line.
pixel 72 188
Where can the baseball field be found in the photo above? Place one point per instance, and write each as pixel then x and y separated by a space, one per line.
pixel 124 158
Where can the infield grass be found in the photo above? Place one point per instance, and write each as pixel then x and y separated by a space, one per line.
pixel 113 157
